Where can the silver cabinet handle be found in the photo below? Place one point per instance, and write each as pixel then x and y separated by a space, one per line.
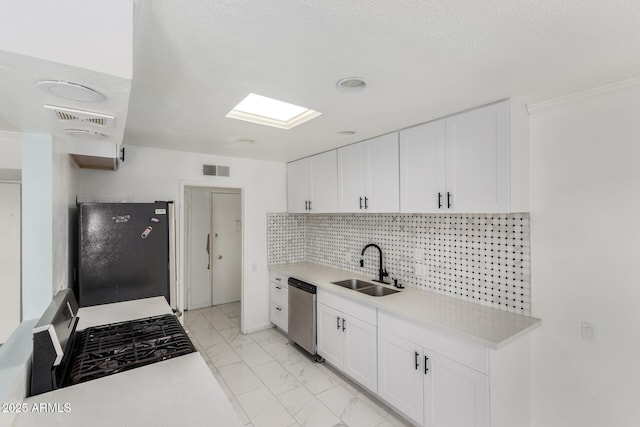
pixel 343 323
pixel 337 323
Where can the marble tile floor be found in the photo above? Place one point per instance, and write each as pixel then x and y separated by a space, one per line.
pixel 271 383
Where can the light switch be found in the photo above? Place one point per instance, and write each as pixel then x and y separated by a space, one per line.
pixel 588 332
pixel 418 254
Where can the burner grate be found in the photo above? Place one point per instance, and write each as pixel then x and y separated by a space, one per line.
pixel 117 347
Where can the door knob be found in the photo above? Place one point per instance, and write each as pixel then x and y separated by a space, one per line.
pixel 219 256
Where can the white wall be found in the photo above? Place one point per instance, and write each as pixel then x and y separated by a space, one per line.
pixel 152 174
pixel 585 235
pixel 49 187
pixel 92 34
pixel 37 225
pixel 65 189
pixel 9 258
pixel 10 150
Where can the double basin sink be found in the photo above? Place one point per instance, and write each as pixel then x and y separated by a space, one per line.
pixel 366 287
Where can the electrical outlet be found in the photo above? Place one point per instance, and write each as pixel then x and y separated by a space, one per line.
pixel 418 254
pixel 420 269
pixel 588 332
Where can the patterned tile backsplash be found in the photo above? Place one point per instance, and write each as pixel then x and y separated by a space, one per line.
pixel 483 258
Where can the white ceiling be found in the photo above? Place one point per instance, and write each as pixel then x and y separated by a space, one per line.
pixel 195 60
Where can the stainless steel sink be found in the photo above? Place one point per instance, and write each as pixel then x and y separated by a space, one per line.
pixel 378 291
pixel 366 287
pixel 354 284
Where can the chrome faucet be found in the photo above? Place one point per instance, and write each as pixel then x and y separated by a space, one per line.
pixel 382 272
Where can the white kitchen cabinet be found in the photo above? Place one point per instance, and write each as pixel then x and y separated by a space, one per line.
pixel 368 175
pixel 438 380
pixel 399 380
pixel 312 184
pixel 347 338
pixel 422 168
pixel 298 186
pixel 279 300
pixel 429 388
pixel 330 337
pixel 474 161
pixel 454 394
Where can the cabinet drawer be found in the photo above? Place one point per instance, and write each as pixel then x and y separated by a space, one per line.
pixel 280 316
pixel 353 308
pixel 280 294
pixel 463 351
pixel 277 277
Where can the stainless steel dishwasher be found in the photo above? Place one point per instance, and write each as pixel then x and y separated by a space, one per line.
pixel 302 314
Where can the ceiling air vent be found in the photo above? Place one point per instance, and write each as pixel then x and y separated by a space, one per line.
pixel 215 170
pixel 69 115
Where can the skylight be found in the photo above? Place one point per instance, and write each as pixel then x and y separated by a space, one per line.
pixel 271 112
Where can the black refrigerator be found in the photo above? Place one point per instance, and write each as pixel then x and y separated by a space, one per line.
pixel 125 252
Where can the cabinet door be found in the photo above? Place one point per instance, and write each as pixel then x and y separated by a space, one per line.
pixel 351 176
pixel 298 186
pixel 383 175
pixel 454 395
pixel 360 353
pixel 400 382
pixel 478 159
pixel 330 335
pixel 422 168
pixel 324 182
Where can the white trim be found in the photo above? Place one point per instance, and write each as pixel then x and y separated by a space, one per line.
pixel 10 134
pixel 258 328
pixel 582 95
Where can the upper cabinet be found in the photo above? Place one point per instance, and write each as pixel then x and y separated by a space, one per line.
pixel 368 175
pixel 470 162
pixel 312 184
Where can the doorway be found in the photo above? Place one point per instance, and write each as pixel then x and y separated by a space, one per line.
pixel 213 246
pixel 10 258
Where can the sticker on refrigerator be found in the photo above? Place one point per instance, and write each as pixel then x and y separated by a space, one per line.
pixel 161 211
pixel 146 232
pixel 153 219
pixel 121 218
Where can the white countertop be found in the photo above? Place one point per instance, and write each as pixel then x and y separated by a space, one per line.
pixel 121 312
pixel 488 326
pixel 178 391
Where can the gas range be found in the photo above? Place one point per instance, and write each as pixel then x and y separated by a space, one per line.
pixel 63 356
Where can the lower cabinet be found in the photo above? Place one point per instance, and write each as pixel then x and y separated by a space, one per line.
pixel 432 377
pixel 279 300
pixel 348 341
pixel 436 379
pixel 430 389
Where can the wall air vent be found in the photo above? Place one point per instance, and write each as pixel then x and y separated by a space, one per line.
pixel 214 170
pixel 70 115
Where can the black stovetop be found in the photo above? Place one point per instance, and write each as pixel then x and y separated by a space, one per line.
pixel 109 349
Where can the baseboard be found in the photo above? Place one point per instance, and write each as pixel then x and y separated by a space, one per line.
pixel 257 328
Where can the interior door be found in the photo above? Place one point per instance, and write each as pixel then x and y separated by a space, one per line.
pixel 199 249
pixel 226 215
pixel 9 258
